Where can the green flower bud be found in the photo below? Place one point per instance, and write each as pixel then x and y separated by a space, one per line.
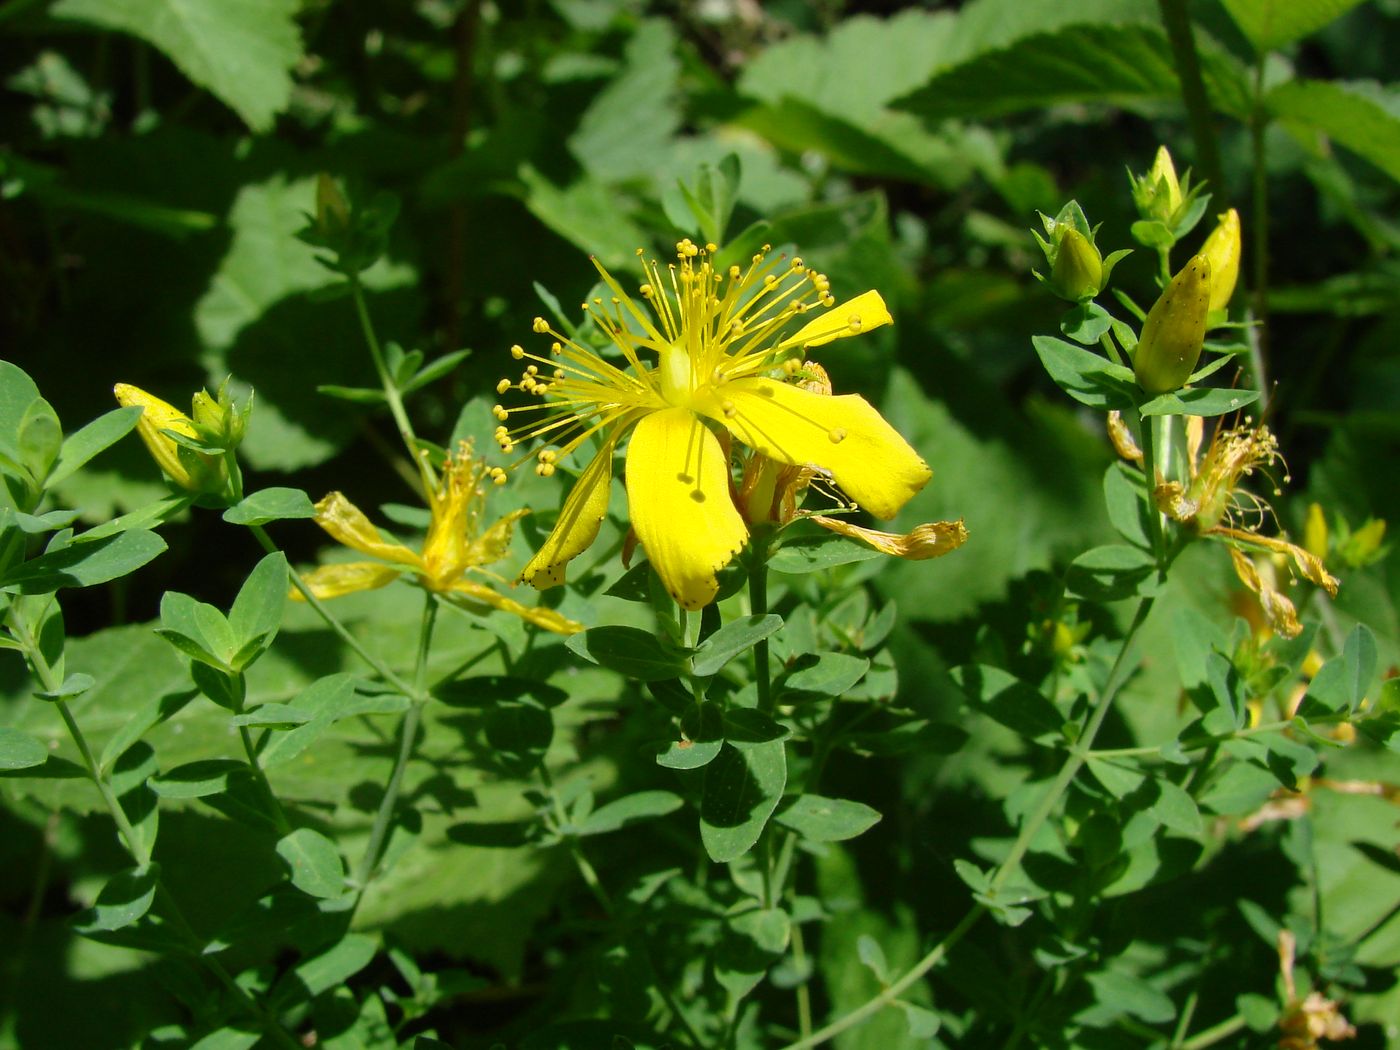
pixel 1165 185
pixel 1175 330
pixel 1078 271
pixel 332 209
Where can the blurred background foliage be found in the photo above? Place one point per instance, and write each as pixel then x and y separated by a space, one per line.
pixel 160 157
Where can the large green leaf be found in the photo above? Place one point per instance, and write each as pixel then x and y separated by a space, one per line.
pixel 1270 24
pixel 1362 116
pixel 241 50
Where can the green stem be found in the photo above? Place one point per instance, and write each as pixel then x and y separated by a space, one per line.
pixel 135 844
pixel 1259 294
pixel 802 991
pixel 758 606
pixel 1148 443
pixel 391 388
pixel 1117 676
pixel 1177 23
pixel 1215 1034
pixel 279 815
pixel 381 668
pixel 408 736
pixel 1212 741
pixel 1106 341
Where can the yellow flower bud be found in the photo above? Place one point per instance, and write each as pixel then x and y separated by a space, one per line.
pixel 1315 532
pixel 1162 178
pixel 1078 271
pixel 192 471
pixel 1175 330
pixel 1222 248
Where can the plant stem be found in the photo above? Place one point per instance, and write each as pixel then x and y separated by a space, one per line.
pixel 1177 23
pixel 408 735
pixel 1212 741
pixel 391 388
pixel 381 668
pixel 803 993
pixel 1117 676
pixel 279 815
pixel 1147 442
pixel 758 606
pixel 1259 294
pixel 1215 1034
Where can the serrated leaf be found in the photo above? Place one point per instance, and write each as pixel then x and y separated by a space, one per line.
pixel 1361 115
pixel 242 51
pixel 1270 24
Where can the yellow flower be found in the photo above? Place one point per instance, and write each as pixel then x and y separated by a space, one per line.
pixel 191 470
pixel 718 340
pixel 456 545
pixel 769 493
pixel 1213 504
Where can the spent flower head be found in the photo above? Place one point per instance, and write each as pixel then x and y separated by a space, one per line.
pixel 705 350
pixel 456 550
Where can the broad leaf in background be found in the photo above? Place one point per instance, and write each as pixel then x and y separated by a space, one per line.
pixel 1271 24
pixel 243 51
pixel 1361 115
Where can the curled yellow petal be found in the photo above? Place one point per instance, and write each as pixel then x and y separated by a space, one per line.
pixel 1122 438
pixel 579 521
pixel 347 524
pixel 679 502
pixel 156 416
pixel 1278 610
pixel 491 545
pixel 843 437
pixel 1307 565
pixel 861 314
pixel 331 581
pixel 538 615
pixel 933 539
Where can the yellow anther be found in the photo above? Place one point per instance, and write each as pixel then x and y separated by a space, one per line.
pixel 796 262
pixel 735 273
pixel 837 435
pixel 646 291
pixel 558 373
pixel 517 351
pixel 503 386
pixel 769 281
pixel 498 476
pixel 544 470
pixel 853 322
pixel 828 300
pixel 711 247
pixel 500 413
pixel 556 348
pixel 540 324
pixel 533 370
pixel 729 409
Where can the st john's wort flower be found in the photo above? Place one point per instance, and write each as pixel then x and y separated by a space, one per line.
pixel 721 360
pixel 458 546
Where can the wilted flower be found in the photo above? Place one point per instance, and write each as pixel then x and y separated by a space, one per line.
pixel 1175 330
pixel 718 340
pixel 455 552
pixel 160 425
pixel 1311 1018
pixel 1213 504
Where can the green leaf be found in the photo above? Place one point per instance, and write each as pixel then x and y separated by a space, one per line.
pixel 1089 378
pixel 1085 323
pixel 519 731
pixel 228 1038
pixel 643 805
pixel 315 863
pixel 74 685
pixel 825 674
pixel 630 651
pixel 820 819
pixel 923 1022
pixel 873 957
pixel 86 442
pixel 815 553
pixel 742 788
pixel 1123 993
pixel 20 750
pixel 1175 808
pixel 197 629
pixel 1111 573
pixel 242 51
pixel 587 214
pixel 735 637
pixel 1359 652
pixel 1010 701
pixel 125 899
pixel 208 776
pixel 1362 116
pixel 274 504
pixel 1125 497
pixel 1199 401
pixel 257 611
pixel 1113 64
pixel 332 967
pixel 1270 24
pixel 703 726
pixel 84 563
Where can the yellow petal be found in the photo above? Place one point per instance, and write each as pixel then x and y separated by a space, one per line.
pixel 1222 248
pixel 347 524
pixel 679 502
pixel 579 521
pixel 1307 565
pixel 841 436
pixel 331 581
pixel 539 616
pixel 1122 438
pixel 491 545
pixel 156 416
pixel 933 539
pixel 1278 610
pixel 852 317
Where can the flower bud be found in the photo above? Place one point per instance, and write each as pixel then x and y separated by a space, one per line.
pixel 1078 271
pixel 1175 330
pixel 1315 532
pixel 1222 248
pixel 190 470
pixel 1164 182
pixel 332 209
